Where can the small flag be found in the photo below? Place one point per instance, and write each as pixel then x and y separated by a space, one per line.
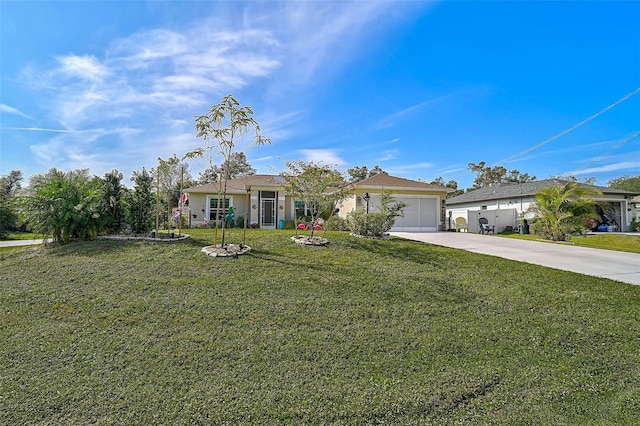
pixel 185 199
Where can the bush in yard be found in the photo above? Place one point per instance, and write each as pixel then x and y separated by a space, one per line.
pixel 63 205
pixel 336 223
pixel 561 210
pixel 376 224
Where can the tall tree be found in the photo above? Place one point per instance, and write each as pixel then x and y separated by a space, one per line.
pixel 238 166
pixel 451 184
pixel 361 173
pixel 221 128
pixel 63 205
pixel 113 208
pixel 626 183
pixel 563 209
pixel 9 185
pixel 140 213
pixel 172 171
pixel 486 175
pixel 319 186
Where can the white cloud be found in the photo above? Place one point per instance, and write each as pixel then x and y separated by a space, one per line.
pixel 325 156
pixel 623 165
pixel 14 111
pixel 154 81
pixel 404 169
pixel 387 155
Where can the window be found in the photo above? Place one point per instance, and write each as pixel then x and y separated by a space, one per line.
pixel 220 212
pixel 301 209
pixel 483 207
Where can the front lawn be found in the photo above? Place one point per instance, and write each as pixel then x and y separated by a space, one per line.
pixel 605 241
pixel 358 332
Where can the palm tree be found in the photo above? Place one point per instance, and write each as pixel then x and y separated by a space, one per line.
pixel 562 210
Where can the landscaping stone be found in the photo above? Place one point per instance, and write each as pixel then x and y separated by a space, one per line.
pixel 228 250
pixel 309 241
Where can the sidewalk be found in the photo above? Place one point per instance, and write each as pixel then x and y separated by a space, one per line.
pixel 17 243
pixel 615 265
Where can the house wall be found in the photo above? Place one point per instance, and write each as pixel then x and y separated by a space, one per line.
pixel 620 209
pixel 424 212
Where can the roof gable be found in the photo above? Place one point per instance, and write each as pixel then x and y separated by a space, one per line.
pixel 393 182
pixel 526 189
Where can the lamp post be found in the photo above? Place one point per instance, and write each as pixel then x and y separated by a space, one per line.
pixel 366 198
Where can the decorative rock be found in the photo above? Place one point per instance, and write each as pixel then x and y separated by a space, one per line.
pixel 144 238
pixel 229 250
pixel 310 241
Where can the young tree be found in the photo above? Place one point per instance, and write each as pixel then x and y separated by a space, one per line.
pixel 141 199
pixel 319 186
pixel 172 171
pixel 238 166
pixel 221 128
pixel 563 209
pixel 9 185
pixel 64 206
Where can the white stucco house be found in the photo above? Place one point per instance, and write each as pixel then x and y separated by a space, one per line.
pixel 503 205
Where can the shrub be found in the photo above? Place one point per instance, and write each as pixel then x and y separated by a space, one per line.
pixel 63 205
pixel 375 225
pixel 336 223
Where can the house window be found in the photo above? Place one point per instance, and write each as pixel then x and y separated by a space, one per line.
pixel 219 212
pixel 483 207
pixel 301 209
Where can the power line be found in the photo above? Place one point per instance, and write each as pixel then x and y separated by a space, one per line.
pixel 615 148
pixel 619 101
pixel 564 132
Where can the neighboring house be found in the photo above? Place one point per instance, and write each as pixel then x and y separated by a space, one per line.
pixel 505 205
pixel 267 205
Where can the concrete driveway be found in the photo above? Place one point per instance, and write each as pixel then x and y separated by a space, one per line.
pixel 610 264
pixel 17 243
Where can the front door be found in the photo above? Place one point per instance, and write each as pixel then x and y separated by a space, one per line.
pixel 268 213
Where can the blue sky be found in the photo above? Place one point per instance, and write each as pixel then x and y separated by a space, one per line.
pixel 419 88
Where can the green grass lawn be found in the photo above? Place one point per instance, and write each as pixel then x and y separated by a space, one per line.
pixel 22 236
pixel 358 332
pixel 618 242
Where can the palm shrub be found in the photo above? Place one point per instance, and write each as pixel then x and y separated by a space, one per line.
pixel 562 210
pixel 63 205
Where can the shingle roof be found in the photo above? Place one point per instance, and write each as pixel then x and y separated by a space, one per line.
pixel 394 182
pixel 511 190
pixel 239 185
pixel 380 180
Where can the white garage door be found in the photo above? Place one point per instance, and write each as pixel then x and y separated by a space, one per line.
pixel 420 215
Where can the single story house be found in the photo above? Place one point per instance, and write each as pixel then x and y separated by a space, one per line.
pixel 266 204
pixel 505 205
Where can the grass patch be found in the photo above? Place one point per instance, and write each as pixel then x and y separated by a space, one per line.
pixel 359 332
pixel 21 236
pixel 617 242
